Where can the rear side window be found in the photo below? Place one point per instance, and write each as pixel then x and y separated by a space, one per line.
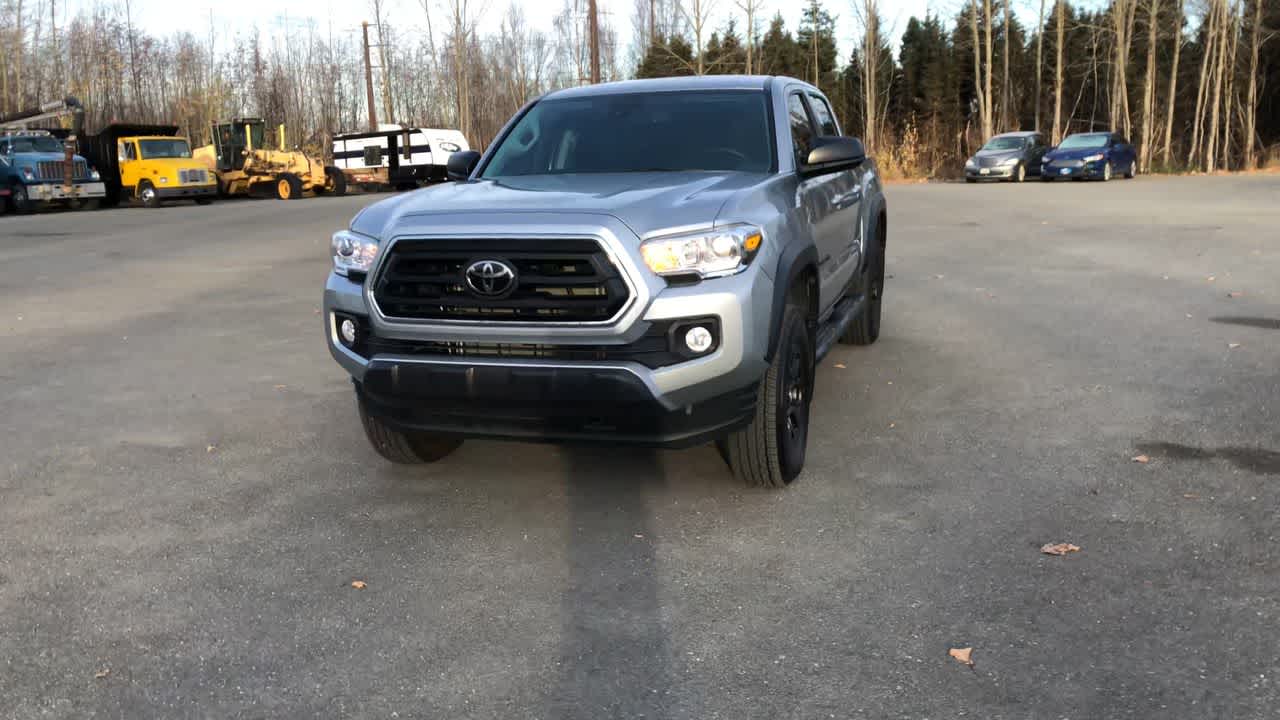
pixel 823 116
pixel 801 128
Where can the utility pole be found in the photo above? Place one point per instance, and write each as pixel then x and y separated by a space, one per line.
pixel 368 81
pixel 594 25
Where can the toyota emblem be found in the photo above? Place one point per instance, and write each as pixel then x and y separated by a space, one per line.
pixel 490 278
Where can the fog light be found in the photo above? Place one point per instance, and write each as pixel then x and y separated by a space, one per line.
pixel 698 339
pixel 348 330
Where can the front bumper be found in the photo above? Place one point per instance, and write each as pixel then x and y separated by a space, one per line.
pixel 44 192
pixel 449 389
pixel 1088 170
pixel 989 173
pixel 542 402
pixel 186 191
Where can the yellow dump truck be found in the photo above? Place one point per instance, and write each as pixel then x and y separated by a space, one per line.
pixel 149 163
pixel 244 165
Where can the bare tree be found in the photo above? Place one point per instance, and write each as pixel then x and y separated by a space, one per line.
pixel 699 17
pixel 751 7
pixel 1122 17
pixel 869 14
pixel 1197 119
pixel 1173 84
pixel 1004 82
pixel 1148 87
pixel 1061 36
pixel 1039 62
pixel 981 70
pixel 1219 64
pixel 1251 101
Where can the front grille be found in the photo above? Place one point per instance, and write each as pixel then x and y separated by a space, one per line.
pixel 53 170
pixel 1066 164
pixel 988 162
pixel 195 176
pixel 556 280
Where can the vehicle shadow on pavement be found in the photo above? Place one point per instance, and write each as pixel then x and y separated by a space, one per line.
pixel 615 655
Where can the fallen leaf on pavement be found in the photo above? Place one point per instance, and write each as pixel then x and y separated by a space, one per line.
pixel 281 387
pixel 1191 496
pixel 102 673
pixel 358 584
pixel 1141 459
pixel 210 448
pixel 1235 294
pixel 893 425
pixel 1188 316
pixel 1212 278
pixel 1059 548
pixel 638 536
pixel 964 655
pixel 840 365
pixel 1232 346
pixel 938 277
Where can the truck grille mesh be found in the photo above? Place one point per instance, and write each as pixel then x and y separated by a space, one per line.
pixel 52 170
pixel 556 280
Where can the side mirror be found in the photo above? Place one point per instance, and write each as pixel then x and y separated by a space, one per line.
pixel 834 153
pixel 461 164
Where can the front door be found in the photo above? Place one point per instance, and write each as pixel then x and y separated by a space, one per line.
pixel 830 200
pixel 128 158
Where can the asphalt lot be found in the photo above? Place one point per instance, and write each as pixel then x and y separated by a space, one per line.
pixel 186 494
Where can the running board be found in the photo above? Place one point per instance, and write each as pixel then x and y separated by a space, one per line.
pixel 843 314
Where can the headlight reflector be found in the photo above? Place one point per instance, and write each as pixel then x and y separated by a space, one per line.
pixel 28 173
pixel 711 253
pixel 353 252
pixel 95 175
pixel 971 163
pixel 1094 158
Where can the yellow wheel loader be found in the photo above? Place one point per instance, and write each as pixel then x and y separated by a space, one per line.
pixel 245 166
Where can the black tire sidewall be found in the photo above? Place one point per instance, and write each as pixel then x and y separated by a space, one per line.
pixel 796 337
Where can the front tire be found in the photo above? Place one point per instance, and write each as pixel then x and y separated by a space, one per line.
pixel 1106 171
pixel 1020 173
pixel 770 451
pixel 20 200
pixel 147 195
pixel 405 447
pixel 288 187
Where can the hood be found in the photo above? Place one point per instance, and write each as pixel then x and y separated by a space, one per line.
pixel 173 165
pixel 1074 153
pixel 30 158
pixel 645 202
pixel 998 154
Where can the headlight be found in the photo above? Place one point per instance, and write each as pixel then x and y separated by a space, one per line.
pixel 712 253
pixel 353 252
pixel 95 175
pixel 1094 158
pixel 1011 161
pixel 28 174
pixel 164 180
pixel 970 163
pixel 449 147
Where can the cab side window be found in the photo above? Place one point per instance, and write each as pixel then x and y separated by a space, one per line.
pixel 128 151
pixel 823 116
pixel 801 127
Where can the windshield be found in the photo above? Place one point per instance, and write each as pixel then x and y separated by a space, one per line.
pixel 639 132
pixel 1005 143
pixel 1091 140
pixel 42 143
pixel 175 148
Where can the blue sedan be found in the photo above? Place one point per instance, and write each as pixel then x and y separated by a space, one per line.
pixel 1093 156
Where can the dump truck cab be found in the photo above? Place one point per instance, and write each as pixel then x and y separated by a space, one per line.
pixel 38 168
pixel 150 163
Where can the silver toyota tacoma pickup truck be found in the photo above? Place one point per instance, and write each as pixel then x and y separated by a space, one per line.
pixel 661 262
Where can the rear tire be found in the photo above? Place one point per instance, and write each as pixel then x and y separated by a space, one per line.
pixel 1020 173
pixel 865 329
pixel 770 451
pixel 335 182
pixel 405 448
pixel 1132 172
pixel 288 187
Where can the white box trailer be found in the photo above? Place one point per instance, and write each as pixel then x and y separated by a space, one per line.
pixel 395 156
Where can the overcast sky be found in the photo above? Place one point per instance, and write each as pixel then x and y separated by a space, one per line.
pixel 231 16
